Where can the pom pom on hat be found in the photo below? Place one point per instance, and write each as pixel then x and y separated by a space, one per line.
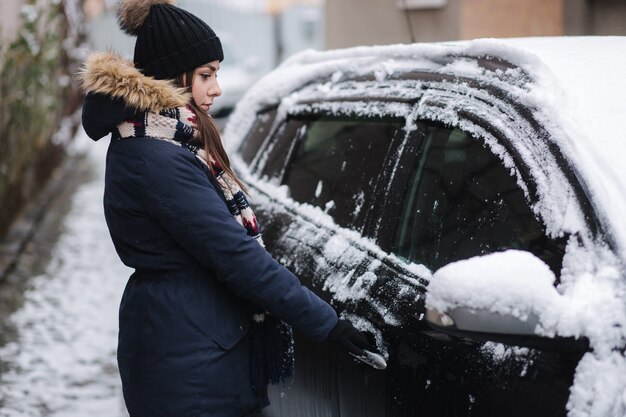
pixel 131 14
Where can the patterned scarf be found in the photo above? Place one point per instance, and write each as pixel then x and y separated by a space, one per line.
pixel 271 339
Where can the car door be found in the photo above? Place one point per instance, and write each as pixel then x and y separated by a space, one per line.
pixel 459 200
pixel 318 178
pixel 424 376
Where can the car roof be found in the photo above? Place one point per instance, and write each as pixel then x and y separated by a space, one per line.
pixel 576 85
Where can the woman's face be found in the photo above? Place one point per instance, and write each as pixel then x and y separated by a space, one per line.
pixel 204 87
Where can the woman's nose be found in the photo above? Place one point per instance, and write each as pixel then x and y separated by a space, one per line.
pixel 216 90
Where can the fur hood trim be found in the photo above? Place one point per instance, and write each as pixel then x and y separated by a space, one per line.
pixel 109 74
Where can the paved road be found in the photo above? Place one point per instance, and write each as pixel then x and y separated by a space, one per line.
pixel 59 311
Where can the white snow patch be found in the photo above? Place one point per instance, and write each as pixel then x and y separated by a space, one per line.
pixel 512 282
pixel 318 189
pixel 500 353
pixel 359 199
pixel 519 284
pixel 599 386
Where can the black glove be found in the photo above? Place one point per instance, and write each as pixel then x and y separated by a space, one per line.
pixel 345 335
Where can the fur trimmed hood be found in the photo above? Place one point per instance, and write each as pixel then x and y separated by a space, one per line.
pixel 116 91
pixel 111 75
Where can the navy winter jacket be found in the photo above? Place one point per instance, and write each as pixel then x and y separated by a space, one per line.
pixel 183 346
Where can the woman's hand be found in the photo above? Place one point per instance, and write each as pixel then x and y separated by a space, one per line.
pixel 347 336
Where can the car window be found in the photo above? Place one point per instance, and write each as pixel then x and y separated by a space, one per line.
pixel 273 160
pixel 337 163
pixel 461 202
pixel 257 135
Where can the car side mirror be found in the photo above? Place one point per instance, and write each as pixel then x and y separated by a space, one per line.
pixel 501 297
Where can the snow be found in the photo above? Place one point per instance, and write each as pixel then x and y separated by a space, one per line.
pixel 574 88
pixel 586 110
pixel 503 355
pixel 500 352
pixel 359 199
pixel 519 284
pixel 511 282
pixel 598 388
pixel 318 189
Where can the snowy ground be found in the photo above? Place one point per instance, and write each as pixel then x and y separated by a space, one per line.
pixel 58 344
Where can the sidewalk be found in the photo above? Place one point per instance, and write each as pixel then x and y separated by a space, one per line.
pixel 59 297
pixel 47 208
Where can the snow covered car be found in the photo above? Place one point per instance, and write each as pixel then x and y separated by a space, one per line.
pixel 464 202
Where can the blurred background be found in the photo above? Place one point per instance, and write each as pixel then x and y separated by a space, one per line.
pixel 58 323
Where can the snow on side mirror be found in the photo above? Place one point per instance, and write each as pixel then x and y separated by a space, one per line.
pixel 501 297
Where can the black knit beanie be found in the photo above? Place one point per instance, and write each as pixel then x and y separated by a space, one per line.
pixel 170 40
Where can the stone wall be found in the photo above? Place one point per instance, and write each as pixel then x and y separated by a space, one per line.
pixel 39 99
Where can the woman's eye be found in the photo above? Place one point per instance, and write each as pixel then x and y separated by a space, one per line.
pixel 205 76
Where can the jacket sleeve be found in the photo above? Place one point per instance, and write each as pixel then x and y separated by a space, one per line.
pixel 187 205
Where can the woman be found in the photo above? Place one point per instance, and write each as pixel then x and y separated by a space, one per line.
pixel 177 215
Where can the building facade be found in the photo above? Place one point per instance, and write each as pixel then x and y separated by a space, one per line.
pixel 375 22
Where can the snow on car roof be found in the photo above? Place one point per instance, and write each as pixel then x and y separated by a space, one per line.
pixel 582 86
pixel 577 82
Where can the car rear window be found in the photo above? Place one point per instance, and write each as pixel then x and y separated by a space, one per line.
pixel 337 163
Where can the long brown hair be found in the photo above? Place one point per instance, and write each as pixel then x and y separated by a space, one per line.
pixel 209 132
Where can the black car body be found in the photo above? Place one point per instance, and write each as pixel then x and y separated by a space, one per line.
pixel 372 168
